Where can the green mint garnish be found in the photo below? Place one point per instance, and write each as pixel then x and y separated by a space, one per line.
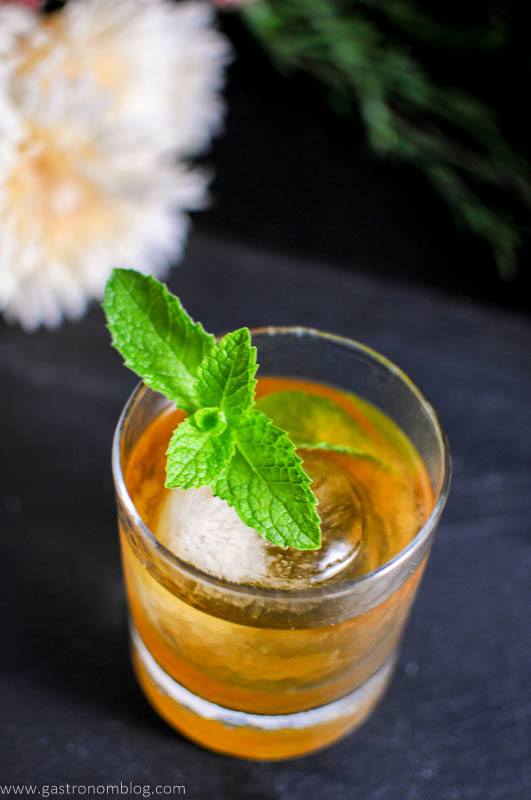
pixel 226 376
pixel 199 449
pixel 314 422
pixel 225 442
pixel 266 484
pixel 155 335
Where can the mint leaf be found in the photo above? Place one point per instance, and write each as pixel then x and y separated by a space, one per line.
pixel 226 376
pixel 312 420
pixel 355 452
pixel 266 484
pixel 156 337
pixel 199 449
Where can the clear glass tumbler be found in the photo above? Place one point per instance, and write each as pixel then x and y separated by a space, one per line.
pixel 272 673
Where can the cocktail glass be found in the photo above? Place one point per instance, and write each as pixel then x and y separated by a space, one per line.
pixel 275 673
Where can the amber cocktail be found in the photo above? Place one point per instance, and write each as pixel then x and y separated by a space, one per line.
pixel 267 653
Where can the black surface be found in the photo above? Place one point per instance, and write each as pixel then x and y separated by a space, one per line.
pixel 456 722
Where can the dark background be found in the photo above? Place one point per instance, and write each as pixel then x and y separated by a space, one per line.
pixel 293 175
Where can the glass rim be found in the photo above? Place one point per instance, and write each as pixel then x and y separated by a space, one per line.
pixel 315 592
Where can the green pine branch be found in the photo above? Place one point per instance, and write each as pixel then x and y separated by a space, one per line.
pixel 448 134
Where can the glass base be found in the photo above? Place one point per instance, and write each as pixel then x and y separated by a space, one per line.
pixel 254 736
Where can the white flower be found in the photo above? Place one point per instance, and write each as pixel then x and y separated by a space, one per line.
pixel 99 105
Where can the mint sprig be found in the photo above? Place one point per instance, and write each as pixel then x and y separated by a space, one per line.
pixel 157 338
pixel 224 442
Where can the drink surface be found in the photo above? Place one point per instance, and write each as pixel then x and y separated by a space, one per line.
pixel 370 505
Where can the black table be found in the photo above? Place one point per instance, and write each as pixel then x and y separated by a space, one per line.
pixel 456 722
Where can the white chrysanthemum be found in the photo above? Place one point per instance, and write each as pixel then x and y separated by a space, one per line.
pixel 97 104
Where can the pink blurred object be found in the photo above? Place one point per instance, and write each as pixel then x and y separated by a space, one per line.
pixel 226 5
pixel 30 3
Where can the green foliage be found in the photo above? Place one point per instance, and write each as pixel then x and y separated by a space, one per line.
pixel 225 442
pixel 267 486
pixel 407 116
pixel 317 423
pixel 157 338
pixel 195 455
pixel 226 377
